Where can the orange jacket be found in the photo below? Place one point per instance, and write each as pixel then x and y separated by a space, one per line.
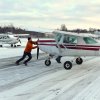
pixel 29 46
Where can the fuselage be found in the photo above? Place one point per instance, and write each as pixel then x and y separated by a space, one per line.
pixel 70 46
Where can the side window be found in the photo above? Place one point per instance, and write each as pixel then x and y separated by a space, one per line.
pixel 89 40
pixel 66 39
pixel 70 39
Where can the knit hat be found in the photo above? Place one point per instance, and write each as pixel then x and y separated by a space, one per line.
pixel 29 38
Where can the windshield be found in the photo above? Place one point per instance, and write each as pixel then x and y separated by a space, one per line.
pixel 58 36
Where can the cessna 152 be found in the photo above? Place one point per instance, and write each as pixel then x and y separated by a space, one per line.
pixel 69 44
pixel 9 39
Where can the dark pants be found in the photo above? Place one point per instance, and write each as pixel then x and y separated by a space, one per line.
pixel 24 56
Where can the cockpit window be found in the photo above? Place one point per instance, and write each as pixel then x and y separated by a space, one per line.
pixel 89 40
pixel 70 39
pixel 58 37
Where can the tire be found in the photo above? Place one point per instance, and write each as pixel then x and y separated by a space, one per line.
pixel 11 45
pixel 14 45
pixel 67 65
pixel 47 62
pixel 1 46
pixel 79 61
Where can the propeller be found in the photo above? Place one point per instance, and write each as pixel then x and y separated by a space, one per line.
pixel 37 52
pixel 37 49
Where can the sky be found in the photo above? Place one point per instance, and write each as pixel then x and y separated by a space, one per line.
pixel 50 14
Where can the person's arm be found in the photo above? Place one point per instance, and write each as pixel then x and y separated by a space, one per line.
pixel 34 42
pixel 34 47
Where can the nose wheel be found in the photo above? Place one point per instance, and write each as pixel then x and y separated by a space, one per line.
pixel 47 62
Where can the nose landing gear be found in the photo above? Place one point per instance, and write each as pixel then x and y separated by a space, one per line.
pixel 47 62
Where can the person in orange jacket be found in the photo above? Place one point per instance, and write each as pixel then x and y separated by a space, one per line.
pixel 27 51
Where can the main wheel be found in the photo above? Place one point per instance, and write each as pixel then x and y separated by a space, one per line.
pixel 14 45
pixel 47 62
pixel 67 65
pixel 79 61
pixel 11 45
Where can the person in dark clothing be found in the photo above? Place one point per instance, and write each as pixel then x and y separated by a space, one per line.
pixel 27 51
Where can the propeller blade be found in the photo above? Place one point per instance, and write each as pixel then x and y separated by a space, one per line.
pixel 37 49
pixel 37 52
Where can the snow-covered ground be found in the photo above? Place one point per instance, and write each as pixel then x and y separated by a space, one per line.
pixel 39 82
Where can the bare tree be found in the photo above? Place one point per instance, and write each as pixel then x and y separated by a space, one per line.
pixel 63 27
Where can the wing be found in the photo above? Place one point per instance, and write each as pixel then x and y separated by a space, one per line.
pixel 70 33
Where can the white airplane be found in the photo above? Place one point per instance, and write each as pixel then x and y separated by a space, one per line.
pixel 9 39
pixel 69 44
